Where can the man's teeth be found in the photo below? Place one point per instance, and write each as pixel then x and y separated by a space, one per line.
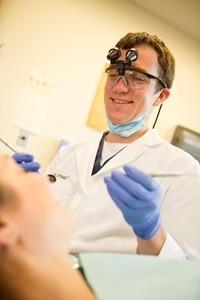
pixel 121 101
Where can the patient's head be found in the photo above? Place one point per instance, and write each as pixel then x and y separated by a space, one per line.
pixel 34 230
pixel 30 219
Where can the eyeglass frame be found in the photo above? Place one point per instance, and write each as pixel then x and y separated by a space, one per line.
pixel 121 70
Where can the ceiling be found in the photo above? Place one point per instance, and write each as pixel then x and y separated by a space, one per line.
pixel 182 14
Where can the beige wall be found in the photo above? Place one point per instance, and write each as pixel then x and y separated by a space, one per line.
pixel 69 40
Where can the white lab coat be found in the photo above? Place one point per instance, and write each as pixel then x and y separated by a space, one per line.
pixel 99 225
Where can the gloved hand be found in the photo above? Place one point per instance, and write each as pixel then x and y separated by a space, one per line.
pixel 139 198
pixel 26 161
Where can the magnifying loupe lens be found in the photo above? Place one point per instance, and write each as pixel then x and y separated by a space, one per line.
pixel 113 54
pixel 131 55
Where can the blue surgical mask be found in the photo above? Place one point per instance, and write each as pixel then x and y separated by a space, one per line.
pixel 127 129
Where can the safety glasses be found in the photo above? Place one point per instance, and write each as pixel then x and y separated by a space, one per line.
pixel 134 77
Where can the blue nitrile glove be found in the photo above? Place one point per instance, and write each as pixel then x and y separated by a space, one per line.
pixel 139 198
pixel 26 161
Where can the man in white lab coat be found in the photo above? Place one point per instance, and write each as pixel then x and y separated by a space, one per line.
pixel 153 221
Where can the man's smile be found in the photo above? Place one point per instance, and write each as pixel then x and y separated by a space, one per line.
pixel 120 101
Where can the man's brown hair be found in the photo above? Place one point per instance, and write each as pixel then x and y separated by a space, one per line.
pixel 165 58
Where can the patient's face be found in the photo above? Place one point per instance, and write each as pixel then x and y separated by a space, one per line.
pixel 30 210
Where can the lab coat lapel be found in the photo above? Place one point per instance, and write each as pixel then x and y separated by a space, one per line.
pixel 133 151
pixel 86 155
pixel 129 153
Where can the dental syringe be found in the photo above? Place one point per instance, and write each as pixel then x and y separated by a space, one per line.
pixel 172 174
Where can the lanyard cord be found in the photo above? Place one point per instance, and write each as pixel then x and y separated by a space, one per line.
pixel 154 124
pixel 97 163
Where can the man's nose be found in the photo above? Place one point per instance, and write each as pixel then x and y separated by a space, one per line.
pixel 121 85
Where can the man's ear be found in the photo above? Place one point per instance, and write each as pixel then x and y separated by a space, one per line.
pixel 8 235
pixel 162 96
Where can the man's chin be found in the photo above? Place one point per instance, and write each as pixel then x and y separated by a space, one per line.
pixel 117 121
